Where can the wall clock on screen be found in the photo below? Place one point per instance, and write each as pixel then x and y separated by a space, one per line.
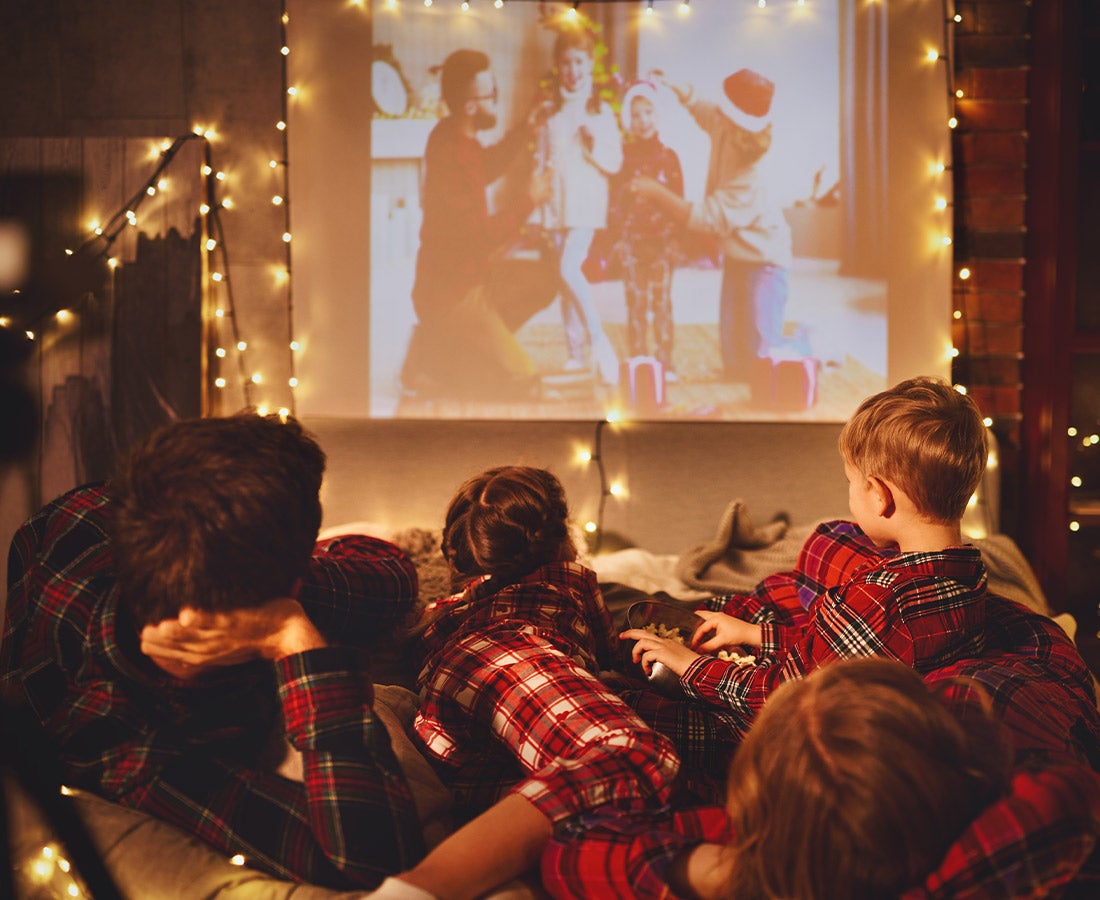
pixel 388 89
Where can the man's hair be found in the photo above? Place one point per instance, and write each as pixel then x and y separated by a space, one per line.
pixel 457 74
pixel 216 514
pixel 854 782
pixel 925 437
pixel 505 522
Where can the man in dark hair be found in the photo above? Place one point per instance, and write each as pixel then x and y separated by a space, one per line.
pixel 469 298
pixel 165 626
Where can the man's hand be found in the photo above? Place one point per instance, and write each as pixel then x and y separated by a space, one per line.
pixel 197 641
pixel 541 188
pixel 722 632
pixel 650 649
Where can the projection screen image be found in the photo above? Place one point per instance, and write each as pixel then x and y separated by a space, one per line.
pixel 581 213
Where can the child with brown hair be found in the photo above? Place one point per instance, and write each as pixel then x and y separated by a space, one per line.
pixel 512 714
pixel 857 781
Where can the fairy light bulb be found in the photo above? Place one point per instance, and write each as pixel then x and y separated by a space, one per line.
pixel 211 244
pixel 216 276
pixel 220 352
pixel 584 456
pixel 294 345
pixel 219 382
pixel 616 489
pixel 293 382
pixel 590 527
pixel 964 273
pixel 257 378
pixel 242 346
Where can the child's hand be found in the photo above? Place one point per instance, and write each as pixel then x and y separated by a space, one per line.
pixel 650 649
pixel 721 632
pixel 588 142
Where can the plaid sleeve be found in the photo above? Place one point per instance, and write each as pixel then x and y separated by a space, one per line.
pixel 358 588
pixel 351 822
pixel 862 622
pixel 1030 844
pixel 617 855
pixel 581 746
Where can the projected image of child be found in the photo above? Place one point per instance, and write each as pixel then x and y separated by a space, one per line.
pixel 741 213
pixel 581 146
pixel 644 233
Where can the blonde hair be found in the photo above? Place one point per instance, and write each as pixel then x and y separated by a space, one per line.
pixel 854 782
pixel 925 437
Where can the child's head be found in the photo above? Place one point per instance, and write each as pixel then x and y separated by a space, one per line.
pixel 923 437
pixel 506 522
pixel 574 57
pixel 854 782
pixel 639 110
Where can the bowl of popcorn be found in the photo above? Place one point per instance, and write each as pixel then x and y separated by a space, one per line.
pixel 678 623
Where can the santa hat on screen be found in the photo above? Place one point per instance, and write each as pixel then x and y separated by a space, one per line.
pixel 642 88
pixel 747 99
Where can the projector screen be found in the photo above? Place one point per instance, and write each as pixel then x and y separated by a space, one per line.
pixel 724 212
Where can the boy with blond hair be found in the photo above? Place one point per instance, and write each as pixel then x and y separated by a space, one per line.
pixel 899 581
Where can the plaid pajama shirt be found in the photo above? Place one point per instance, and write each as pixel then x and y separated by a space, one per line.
pixel 1030 844
pixel 192 754
pixel 510 701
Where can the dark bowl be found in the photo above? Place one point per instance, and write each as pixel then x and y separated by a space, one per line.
pixel 670 615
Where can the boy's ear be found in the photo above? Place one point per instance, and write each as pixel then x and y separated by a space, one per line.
pixel 883 496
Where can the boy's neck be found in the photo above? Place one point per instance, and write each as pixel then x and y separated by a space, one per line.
pixel 929 537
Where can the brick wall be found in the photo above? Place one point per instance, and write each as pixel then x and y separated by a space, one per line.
pixel 990 63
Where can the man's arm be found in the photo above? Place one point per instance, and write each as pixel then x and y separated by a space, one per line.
pixel 358 589
pixel 352 821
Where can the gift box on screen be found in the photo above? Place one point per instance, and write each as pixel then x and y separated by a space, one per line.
pixel 785 384
pixel 642 380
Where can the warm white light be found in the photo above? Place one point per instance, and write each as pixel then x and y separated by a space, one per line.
pixel 615 489
pixel 293 382
pixel 204 209
pixel 220 176
pixel 219 313
pixel 4 322
pixel 953 353
pixel 73 890
pixel 206 170
pixel 1094 438
pixel 1071 431
pixel 285 50
pixel 959 93
pixel 220 353
pixel 151 191
pixel 946 240
pixel 257 378
pixel 762 3
pixel 1076 481
pixel 957 314
pixel 933 55
pixel 281 125
pixel 464 6
pixel 216 276
pixel 584 456
pixel 1074 526
pixel 197 129
pixel 590 527
pixel 498 3
pixel 941 203
pixel 261 410
pixel 236 860
pixel 427 2
pixel 113 262
pixel 987 422
pixel 685 7
pixel 961 388
pixel 649 8
pixel 29 334
pixel 210 134
pixel 162 184
pixel 64 315
pixel 227 203
pixel 276 200
pixel 242 345
pixel 952 122
pixel 294 345
pixel 219 382
pixel 958 18
pixel 286 237
pixel 211 243
pixel 964 273
pixel 284 414
pixel 613 416
pixel 292 91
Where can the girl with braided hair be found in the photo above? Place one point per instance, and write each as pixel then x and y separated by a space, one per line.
pixel 512 714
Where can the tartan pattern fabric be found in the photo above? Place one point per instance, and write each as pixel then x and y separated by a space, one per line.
pixel 925 609
pixel 195 755
pixel 510 701
pixel 1029 844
